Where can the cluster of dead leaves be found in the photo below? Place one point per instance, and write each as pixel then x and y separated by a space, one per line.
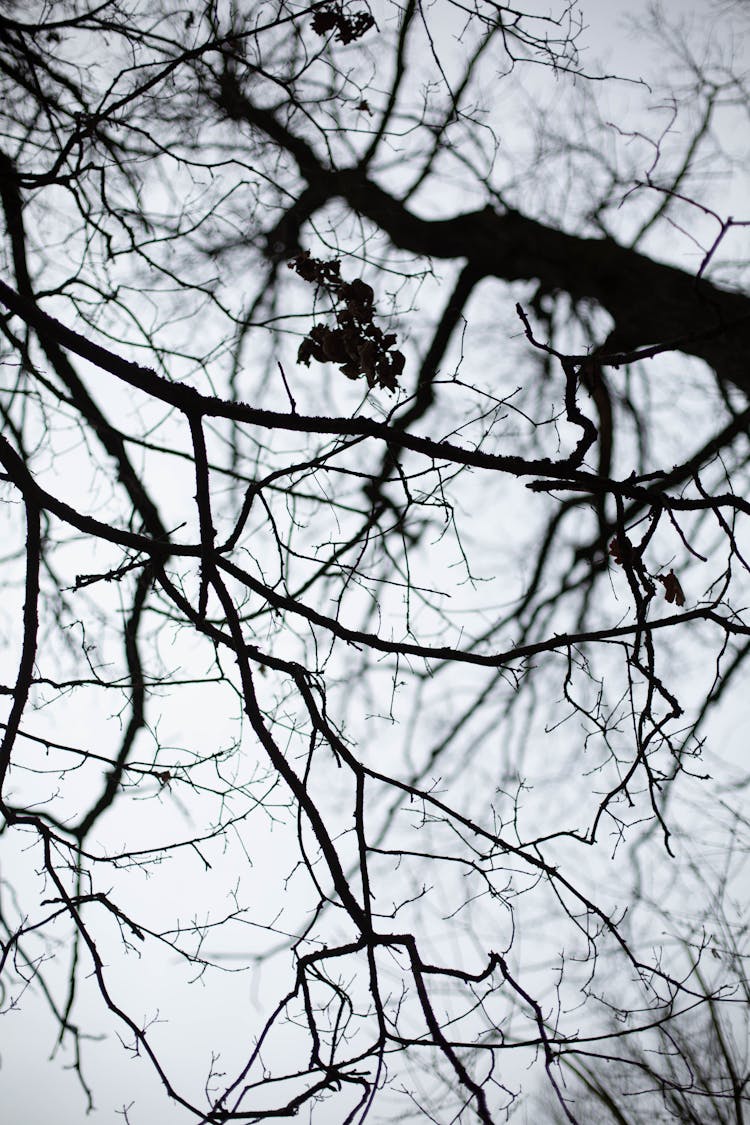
pixel 622 552
pixel 347 26
pixel 355 343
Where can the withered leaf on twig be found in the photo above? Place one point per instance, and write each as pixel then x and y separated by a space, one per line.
pixel 672 589
pixel 620 550
pixel 356 343
pixel 347 26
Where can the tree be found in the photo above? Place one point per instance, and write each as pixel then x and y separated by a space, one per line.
pixel 373 466
pixel 690 1067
